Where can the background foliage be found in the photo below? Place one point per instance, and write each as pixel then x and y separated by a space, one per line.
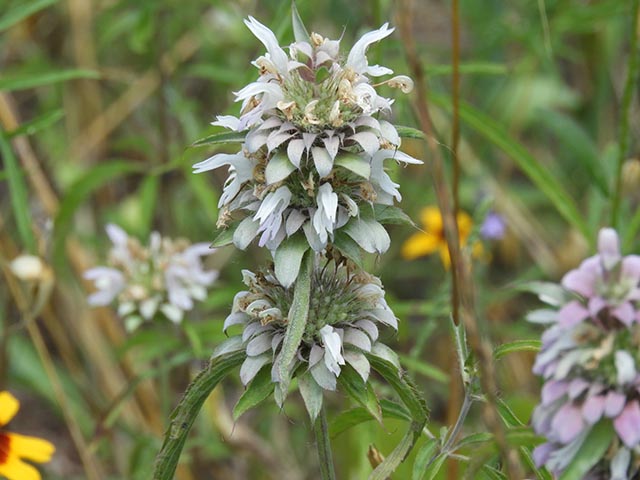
pixel 99 103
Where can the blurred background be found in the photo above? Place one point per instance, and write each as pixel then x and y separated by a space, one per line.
pixel 100 102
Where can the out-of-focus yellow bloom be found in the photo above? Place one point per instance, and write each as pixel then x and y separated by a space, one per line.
pixel 432 238
pixel 15 448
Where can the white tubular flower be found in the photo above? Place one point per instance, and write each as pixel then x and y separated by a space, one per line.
pixel 332 349
pixel 163 278
pixel 312 161
pixel 347 307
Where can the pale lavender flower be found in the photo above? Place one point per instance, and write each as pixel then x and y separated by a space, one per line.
pixel 493 227
pixel 163 278
pixel 589 360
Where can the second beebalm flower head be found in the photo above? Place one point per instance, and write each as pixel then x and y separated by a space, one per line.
pixel 590 363
pixel 163 278
pixel 313 148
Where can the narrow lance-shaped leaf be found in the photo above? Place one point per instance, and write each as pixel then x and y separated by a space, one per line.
pixel 591 451
pixel 18 194
pixel 259 389
pixel 360 391
pixel 220 138
pixel 300 32
pixel 409 395
pixel 31 80
pixel 187 410
pixel 22 10
pixel 297 317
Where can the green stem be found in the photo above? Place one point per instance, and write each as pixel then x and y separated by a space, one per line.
pixel 324 446
pixel 630 83
pixel 187 410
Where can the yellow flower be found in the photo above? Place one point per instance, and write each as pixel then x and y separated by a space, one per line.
pixel 15 448
pixel 432 239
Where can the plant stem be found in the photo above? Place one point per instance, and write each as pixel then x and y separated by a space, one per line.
pixel 627 97
pixel 324 446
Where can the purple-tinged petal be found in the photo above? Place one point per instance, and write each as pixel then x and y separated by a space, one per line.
pixel 553 390
pixel 572 314
pixel 625 313
pixel 541 453
pixel 631 267
pixel 567 423
pixel 627 424
pixel 579 282
pixel 596 304
pixel 593 408
pixel 576 387
pixel 608 247
pixel 614 403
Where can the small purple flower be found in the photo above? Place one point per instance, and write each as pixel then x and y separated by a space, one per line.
pixel 493 227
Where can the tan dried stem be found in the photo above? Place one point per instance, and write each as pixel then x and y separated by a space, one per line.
pixel 137 93
pixel 96 330
pixel 461 265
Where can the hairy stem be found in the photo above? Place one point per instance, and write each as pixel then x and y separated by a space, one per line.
pixel 461 267
pixel 324 446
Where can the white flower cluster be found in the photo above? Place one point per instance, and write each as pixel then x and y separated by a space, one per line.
pixel 314 147
pixel 344 314
pixel 163 278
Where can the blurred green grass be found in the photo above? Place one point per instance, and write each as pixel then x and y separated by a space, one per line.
pixel 106 98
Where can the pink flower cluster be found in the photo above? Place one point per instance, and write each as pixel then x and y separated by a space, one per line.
pixel 589 360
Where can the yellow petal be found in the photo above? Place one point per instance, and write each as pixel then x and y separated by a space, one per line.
pixel 418 245
pixel 15 469
pixel 444 256
pixel 465 223
pixel 431 219
pixel 31 448
pixel 9 406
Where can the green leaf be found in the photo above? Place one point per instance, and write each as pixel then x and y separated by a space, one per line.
pixel 278 168
pixel 492 473
pixel 435 467
pixel 540 175
pixel 224 237
pixel 517 346
pixel 477 68
pixel 297 322
pixel 348 247
pixel 300 32
pixel 591 451
pixel 424 368
pixel 360 391
pixel 288 258
pixel 25 81
pixel 260 388
pixel 185 413
pixel 148 192
pixel 18 194
pixel 354 163
pixel 37 124
pixel 508 417
pixel 392 215
pixel 410 132
pixel 22 10
pixel 358 415
pixel 312 395
pixel 480 437
pixel 410 396
pixel 423 457
pixel 218 138
pixel 576 144
pixel 77 194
